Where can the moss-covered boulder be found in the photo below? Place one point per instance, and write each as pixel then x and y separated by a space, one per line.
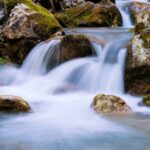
pixel 89 14
pixel 137 74
pixel 27 25
pixel 75 46
pixel 109 104
pixel 146 100
pixel 13 104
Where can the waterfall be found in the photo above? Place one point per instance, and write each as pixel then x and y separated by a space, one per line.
pixel 123 7
pixel 61 95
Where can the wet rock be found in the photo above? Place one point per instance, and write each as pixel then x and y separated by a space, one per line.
pixel 75 46
pixel 89 14
pixel 109 104
pixel 13 104
pixel 27 25
pixel 137 72
pixel 146 100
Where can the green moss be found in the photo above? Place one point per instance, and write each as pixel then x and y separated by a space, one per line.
pixel 2 61
pixel 146 97
pixel 88 15
pixel 146 100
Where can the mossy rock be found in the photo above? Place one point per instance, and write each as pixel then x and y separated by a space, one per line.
pixel 42 21
pixel 146 100
pixel 109 104
pixel 13 104
pixel 136 79
pixel 27 25
pixel 91 15
pixel 75 46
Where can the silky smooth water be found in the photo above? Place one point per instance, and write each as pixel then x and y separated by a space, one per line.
pixel 61 98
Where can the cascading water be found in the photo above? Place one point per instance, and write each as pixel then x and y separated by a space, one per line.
pixel 123 7
pixel 61 99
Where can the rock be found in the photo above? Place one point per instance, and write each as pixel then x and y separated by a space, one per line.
pixel 141 49
pixel 109 104
pixel 74 46
pixel 27 25
pixel 30 21
pixel 137 72
pixel 13 104
pixel 146 100
pixel 89 14
pixel 140 13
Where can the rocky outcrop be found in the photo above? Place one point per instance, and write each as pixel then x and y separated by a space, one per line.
pixel 146 100
pixel 89 14
pixel 13 104
pixel 109 104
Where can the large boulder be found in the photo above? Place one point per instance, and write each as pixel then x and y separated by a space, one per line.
pixel 75 46
pixel 137 72
pixel 89 14
pixel 13 104
pixel 109 104
pixel 70 47
pixel 27 25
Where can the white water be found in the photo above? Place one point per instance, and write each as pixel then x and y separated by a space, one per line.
pixel 61 99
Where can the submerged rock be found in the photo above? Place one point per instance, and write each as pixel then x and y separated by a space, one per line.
pixel 146 100
pixel 13 104
pixel 109 104
pixel 88 14
pixel 27 25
